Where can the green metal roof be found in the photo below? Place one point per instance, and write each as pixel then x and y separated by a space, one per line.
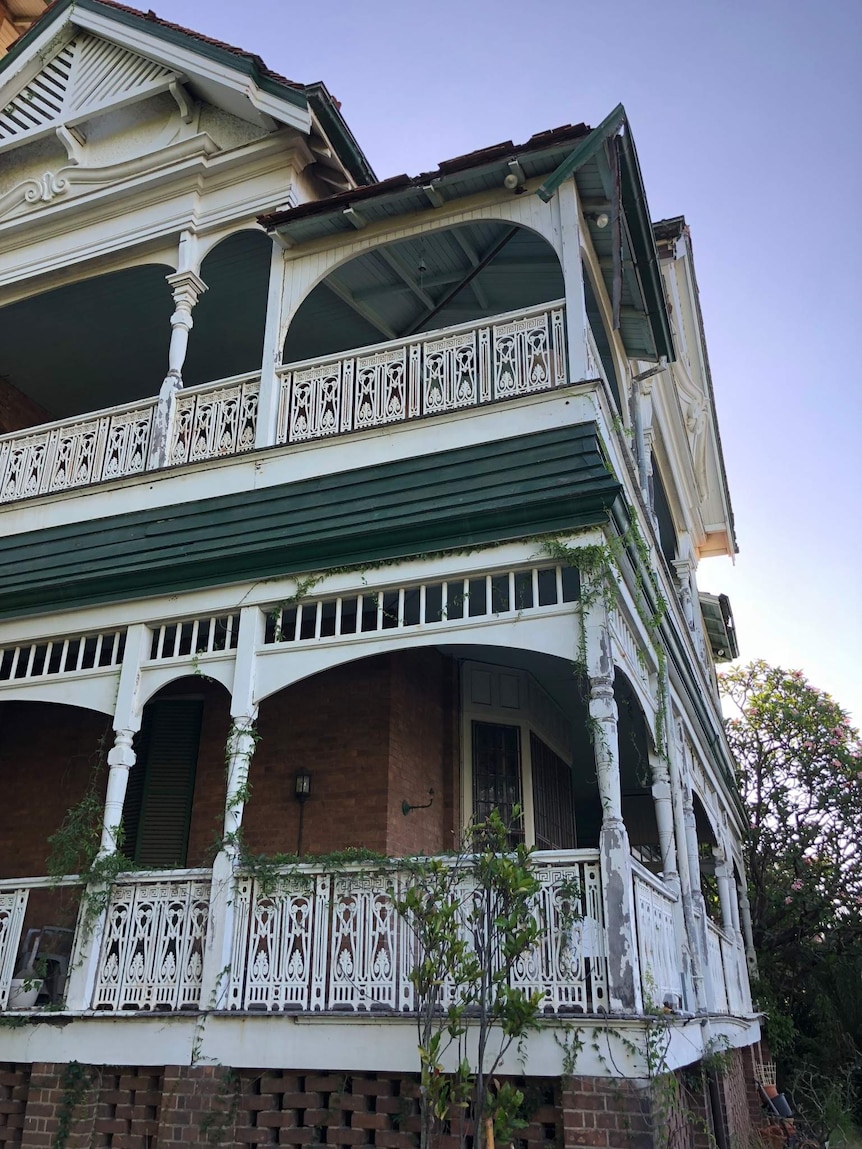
pixel 514 488
pixel 718 621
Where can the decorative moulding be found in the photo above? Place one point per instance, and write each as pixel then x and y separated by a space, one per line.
pixel 46 188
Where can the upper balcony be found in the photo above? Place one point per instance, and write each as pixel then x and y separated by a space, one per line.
pixel 449 369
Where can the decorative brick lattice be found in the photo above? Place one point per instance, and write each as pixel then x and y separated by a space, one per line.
pixel 14 1087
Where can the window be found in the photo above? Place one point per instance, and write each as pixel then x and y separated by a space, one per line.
pixel 158 806
pixel 553 807
pixel 496 772
pixel 517 752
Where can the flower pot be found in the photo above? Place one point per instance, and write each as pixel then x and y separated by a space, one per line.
pixel 23 992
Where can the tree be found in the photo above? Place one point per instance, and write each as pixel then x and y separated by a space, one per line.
pixel 800 775
pixel 474 918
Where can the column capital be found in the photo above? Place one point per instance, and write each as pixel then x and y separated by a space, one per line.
pixel 121 753
pixel 187 288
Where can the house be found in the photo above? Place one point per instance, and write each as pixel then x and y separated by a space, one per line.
pixel 337 512
pixel 16 16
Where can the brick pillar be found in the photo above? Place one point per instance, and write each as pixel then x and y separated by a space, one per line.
pixel 198 1106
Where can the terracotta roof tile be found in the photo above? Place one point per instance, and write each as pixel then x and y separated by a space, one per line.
pixel 554 137
pixel 152 18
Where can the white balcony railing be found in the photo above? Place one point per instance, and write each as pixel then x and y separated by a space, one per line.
pixel 13 906
pixel 335 942
pixel 658 947
pixel 463 366
pixel 59 456
pixel 714 940
pixel 500 358
pixel 151 956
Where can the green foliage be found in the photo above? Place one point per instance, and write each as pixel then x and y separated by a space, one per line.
pixel 473 916
pixel 800 775
pixel 76 1082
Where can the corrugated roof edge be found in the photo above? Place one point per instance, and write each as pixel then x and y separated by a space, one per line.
pixel 551 138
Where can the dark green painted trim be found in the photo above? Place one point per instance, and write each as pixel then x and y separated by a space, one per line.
pixel 584 151
pixel 533 484
pixel 336 128
pixel 643 240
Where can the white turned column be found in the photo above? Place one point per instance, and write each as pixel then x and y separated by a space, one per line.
pixel 121 758
pixel 725 891
pixel 240 747
pixel 661 796
pixel 273 337
pixel 218 953
pixel 187 287
pixel 693 946
pixel 624 987
pixel 565 209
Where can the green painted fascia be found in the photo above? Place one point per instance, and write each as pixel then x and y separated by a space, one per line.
pixel 336 128
pixel 584 151
pixel 229 60
pixel 546 482
pixel 643 240
pixel 637 216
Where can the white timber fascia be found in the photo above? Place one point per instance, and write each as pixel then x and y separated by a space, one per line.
pixel 283 1040
pixel 195 186
pixel 196 66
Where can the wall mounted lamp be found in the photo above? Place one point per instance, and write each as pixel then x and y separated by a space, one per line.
pixel 301 791
pixel 406 807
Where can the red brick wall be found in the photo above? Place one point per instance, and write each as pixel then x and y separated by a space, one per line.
pixel 603 1114
pixel 179 1106
pixel 421 754
pixel 372 734
pixel 336 726
pixel 47 754
pixel 173 1107
pixel 18 410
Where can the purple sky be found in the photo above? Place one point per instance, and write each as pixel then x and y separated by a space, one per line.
pixel 745 114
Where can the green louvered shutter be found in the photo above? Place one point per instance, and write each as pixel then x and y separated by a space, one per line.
pixel 158 803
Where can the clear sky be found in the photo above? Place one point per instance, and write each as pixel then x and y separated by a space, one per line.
pixel 746 117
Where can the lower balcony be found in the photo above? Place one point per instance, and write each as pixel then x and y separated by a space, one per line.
pixel 317 940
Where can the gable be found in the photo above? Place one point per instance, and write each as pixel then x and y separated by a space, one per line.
pixel 85 76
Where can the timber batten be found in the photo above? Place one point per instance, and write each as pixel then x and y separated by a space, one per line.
pixel 530 484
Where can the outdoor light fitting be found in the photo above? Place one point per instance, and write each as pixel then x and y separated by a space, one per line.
pixel 406 807
pixel 302 785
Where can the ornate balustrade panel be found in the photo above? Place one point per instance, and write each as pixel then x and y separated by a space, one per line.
pixel 736 976
pixel 214 420
pixel 568 967
pixel 335 942
pixel 152 948
pixel 367 940
pixel 658 948
pixel 714 939
pixel 61 456
pixel 13 905
pixel 627 645
pixel 280 945
pixel 425 375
